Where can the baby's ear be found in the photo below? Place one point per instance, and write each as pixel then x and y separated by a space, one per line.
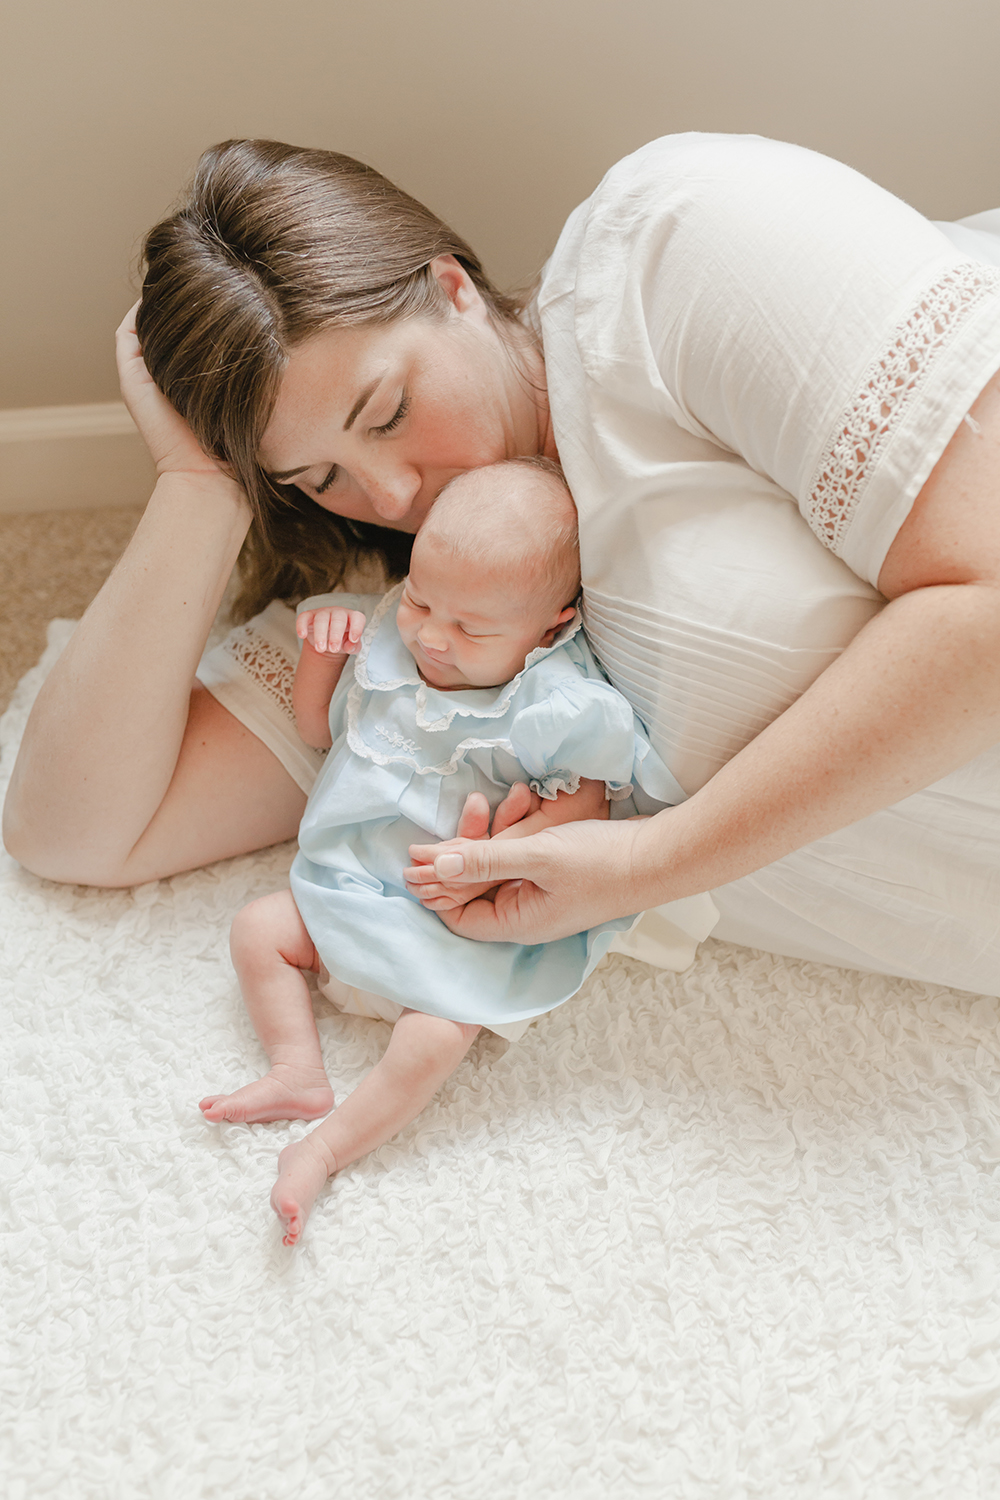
pixel 560 620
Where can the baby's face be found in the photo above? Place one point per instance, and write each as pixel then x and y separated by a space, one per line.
pixel 462 626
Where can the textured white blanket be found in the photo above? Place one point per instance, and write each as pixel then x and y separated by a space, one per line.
pixel 725 1234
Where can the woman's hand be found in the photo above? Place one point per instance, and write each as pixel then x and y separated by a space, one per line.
pixel 171 443
pixel 554 883
pixel 519 803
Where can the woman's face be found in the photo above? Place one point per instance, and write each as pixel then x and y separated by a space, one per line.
pixel 372 422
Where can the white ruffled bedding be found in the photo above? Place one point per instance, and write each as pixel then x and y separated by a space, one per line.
pixel 723 1234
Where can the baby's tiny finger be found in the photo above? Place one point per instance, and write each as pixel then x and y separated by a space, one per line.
pixel 439 903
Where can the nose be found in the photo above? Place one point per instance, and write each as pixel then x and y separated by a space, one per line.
pixel 392 492
pixel 431 637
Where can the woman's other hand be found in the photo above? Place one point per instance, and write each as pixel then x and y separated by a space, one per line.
pixel 171 443
pixel 550 884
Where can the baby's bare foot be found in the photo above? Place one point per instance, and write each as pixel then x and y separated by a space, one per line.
pixel 303 1168
pixel 286 1093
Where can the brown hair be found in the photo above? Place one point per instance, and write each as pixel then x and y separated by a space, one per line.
pixel 273 244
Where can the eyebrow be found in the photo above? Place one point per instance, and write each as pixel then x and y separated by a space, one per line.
pixel 360 404
pixel 352 417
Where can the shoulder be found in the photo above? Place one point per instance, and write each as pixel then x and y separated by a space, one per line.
pixel 693 193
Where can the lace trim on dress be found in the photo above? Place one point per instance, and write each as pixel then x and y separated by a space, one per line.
pixel 851 457
pixel 429 708
pixel 267 665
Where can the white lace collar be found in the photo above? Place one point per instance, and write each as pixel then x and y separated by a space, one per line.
pixel 383 664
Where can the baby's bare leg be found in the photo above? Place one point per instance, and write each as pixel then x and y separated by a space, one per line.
pixel 270 946
pixel 422 1052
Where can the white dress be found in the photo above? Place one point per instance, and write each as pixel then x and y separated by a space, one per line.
pixel 755 357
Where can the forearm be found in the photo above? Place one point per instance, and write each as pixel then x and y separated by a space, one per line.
pixel 102 740
pixel 316 677
pixel 915 695
pixel 588 801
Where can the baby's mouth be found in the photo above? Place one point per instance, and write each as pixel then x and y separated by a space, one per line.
pixel 431 667
pixel 436 658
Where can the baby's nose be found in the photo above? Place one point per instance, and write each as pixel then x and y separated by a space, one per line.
pixel 431 638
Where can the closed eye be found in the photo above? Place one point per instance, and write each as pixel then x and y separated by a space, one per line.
pixel 389 426
pixel 394 420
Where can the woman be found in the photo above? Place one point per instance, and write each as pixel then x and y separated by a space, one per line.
pixel 729 326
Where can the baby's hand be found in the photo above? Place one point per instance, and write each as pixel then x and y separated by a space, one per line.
pixel 436 894
pixel 444 895
pixel 331 632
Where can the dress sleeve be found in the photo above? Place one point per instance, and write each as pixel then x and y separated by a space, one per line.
pixel 585 730
pixel 797 315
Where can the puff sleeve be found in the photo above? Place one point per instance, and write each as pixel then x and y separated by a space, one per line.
pixel 587 730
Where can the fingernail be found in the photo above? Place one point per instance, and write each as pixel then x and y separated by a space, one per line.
pixel 447 865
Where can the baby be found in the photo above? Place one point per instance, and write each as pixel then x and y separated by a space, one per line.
pixel 471 676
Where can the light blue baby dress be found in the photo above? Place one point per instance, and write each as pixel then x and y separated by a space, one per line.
pixel 404 758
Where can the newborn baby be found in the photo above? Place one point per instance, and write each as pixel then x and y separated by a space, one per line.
pixel 472 676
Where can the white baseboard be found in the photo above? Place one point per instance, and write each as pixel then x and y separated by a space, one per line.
pixel 72 458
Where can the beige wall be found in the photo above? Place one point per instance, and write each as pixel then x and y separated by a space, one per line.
pixel 500 115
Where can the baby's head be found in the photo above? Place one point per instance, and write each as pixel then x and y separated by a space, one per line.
pixel 494 573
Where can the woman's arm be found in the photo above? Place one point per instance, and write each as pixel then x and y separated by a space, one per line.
pixel 915 694
pixel 123 775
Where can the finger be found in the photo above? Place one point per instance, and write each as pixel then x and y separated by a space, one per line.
pixel 420 875
pixel 321 630
pixel 336 623
pixel 355 628
pixel 302 624
pixel 339 643
pixel 516 805
pixel 127 324
pixel 480 920
pixel 426 892
pixel 491 860
pixel 475 820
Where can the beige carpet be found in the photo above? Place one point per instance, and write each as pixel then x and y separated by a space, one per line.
pixel 52 563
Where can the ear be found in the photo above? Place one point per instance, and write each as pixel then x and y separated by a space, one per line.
pixel 557 624
pixel 459 287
